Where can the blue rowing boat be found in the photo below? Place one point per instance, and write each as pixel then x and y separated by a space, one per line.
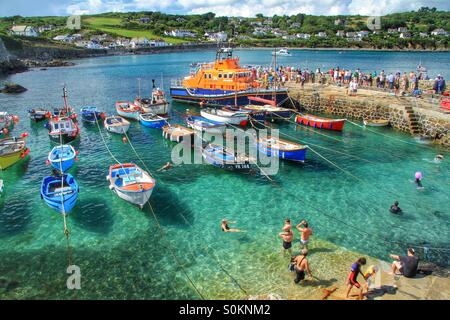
pixel 205 125
pixel 91 114
pixel 219 157
pixel 62 157
pixel 283 149
pixel 152 120
pixel 60 193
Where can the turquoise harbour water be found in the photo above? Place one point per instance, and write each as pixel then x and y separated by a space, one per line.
pixel 120 249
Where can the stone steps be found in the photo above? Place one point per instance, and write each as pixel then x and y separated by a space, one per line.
pixel 414 126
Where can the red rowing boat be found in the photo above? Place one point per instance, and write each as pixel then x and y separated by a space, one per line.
pixel 319 122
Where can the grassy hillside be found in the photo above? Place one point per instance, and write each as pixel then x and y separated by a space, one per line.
pixel 115 26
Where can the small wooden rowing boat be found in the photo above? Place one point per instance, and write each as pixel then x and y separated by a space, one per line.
pixel 60 192
pixel 116 124
pixel 225 116
pixel 205 125
pixel 62 157
pixel 320 122
pixel 376 123
pixel 131 183
pixel 12 150
pixel 219 157
pixel 152 120
pixel 283 149
pixel 128 110
pixel 178 133
pixel 91 114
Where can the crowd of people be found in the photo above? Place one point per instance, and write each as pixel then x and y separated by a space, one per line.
pixel 404 265
pixel 399 83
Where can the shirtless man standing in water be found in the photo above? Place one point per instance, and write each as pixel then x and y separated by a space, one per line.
pixel 306 232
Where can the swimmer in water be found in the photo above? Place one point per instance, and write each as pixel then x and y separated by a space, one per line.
pixel 226 228
pixel 438 158
pixel 166 167
pixel 419 183
pixel 395 208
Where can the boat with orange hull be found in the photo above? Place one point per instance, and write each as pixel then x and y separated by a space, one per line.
pixel 320 122
pixel 223 83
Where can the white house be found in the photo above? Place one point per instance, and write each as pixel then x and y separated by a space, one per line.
pixel 26 31
pixel 158 43
pixel 405 35
pixel 49 27
pixel 64 38
pixel 321 34
pixel 219 36
pixel 439 32
pixel 94 45
pixel 392 30
pixel 259 32
pixel 402 29
pixel 289 37
pixel 363 33
pixel 181 34
pixel 139 42
pixel 423 34
pixel 340 33
pixel 304 36
pixel 295 25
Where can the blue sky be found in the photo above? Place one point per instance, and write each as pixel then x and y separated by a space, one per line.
pixel 246 8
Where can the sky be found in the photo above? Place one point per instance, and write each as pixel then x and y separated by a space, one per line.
pixel 242 8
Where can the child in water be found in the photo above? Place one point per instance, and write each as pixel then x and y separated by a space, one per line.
pixel 395 208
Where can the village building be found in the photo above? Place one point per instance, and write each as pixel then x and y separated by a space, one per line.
pixel 25 31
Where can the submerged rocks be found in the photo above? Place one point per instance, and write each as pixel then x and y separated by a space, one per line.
pixel 12 88
pixel 47 63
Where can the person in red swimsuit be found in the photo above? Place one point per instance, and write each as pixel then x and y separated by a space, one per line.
pixel 353 277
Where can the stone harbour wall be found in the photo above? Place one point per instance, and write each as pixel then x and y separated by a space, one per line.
pixel 431 124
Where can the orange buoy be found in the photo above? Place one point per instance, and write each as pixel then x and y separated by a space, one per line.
pixel 24 135
pixel 124 139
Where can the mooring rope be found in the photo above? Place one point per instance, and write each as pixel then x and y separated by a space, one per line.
pixel 157 222
pixel 206 249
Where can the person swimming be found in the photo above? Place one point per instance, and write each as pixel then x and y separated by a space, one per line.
pixel 395 208
pixel 438 158
pixel 165 167
pixel 226 228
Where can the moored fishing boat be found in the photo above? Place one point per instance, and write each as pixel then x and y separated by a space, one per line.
pixel 66 110
pixel 219 157
pixel 131 183
pixel 60 192
pixel 283 149
pixel 152 120
pixel 91 114
pixel 252 115
pixel 205 125
pixel 376 123
pixel 62 157
pixel 320 122
pixel 225 116
pixel 223 83
pixel 178 133
pixel 39 114
pixel 156 104
pixel 12 150
pixel 128 110
pixel 62 130
pixel 116 124
pixel 7 122
pixel 270 108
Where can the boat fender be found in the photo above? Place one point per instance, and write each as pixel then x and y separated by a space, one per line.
pixel 76 159
pixel 47 162
pixel 111 187
pixel 124 140
pixel 24 135
pixel 107 178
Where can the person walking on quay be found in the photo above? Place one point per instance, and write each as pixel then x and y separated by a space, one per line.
pixel 352 280
pixel 439 85
pixel 301 265
pixel 306 232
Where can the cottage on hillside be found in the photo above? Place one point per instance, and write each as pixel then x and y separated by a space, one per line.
pixel 25 31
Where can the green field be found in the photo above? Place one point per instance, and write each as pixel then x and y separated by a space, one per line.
pixel 114 26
